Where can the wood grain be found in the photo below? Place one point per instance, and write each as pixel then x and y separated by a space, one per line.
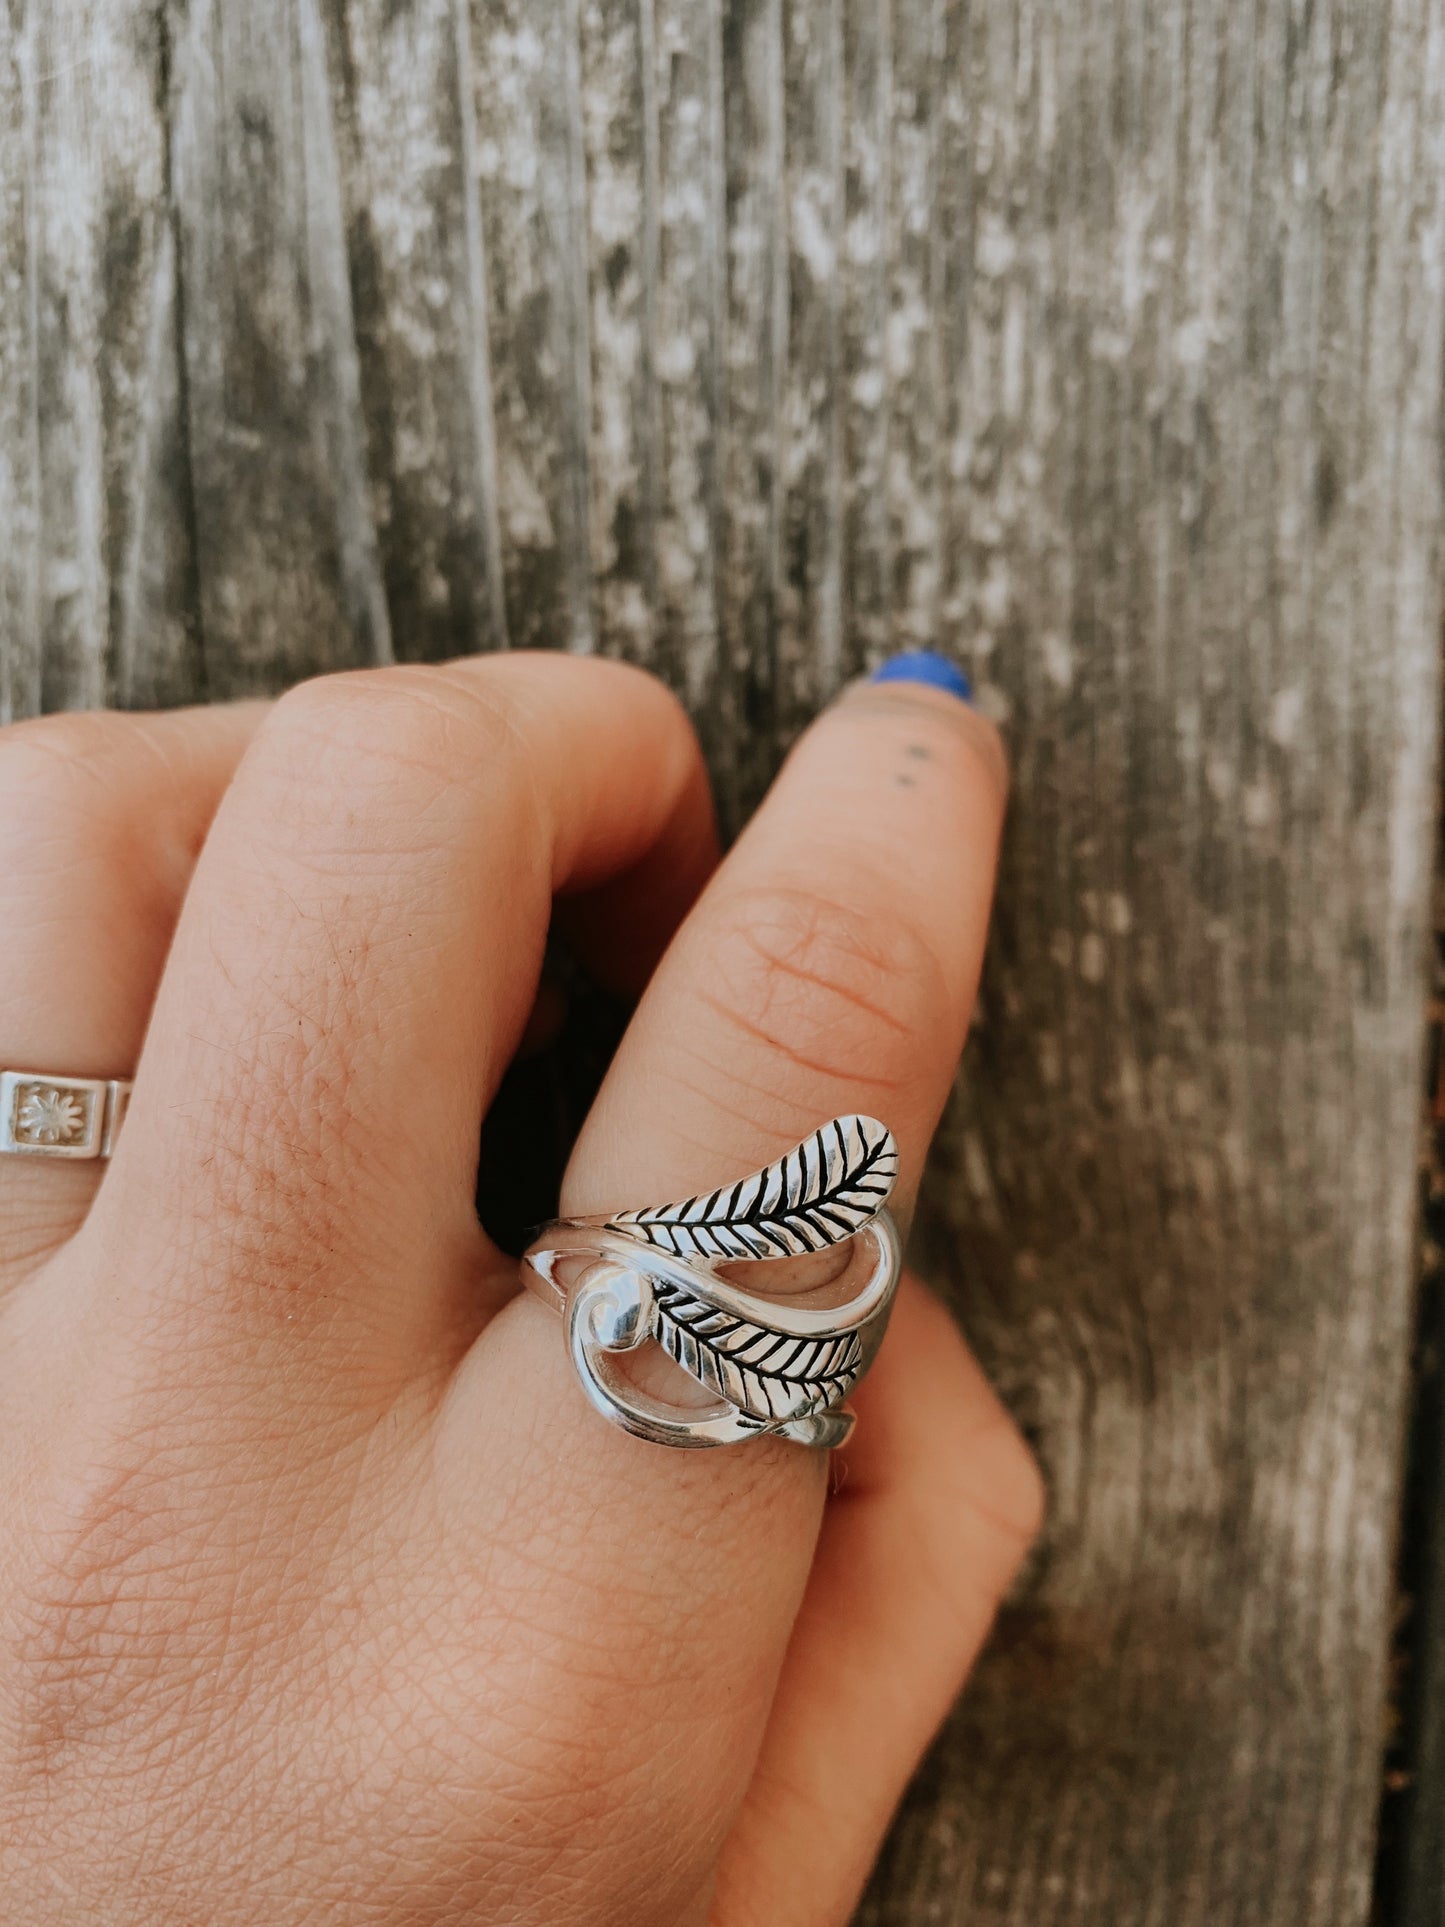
pixel 94 544
pixel 286 554
pixel 403 90
pixel 1099 346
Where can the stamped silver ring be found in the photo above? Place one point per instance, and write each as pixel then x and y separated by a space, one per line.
pixel 774 1367
pixel 44 1116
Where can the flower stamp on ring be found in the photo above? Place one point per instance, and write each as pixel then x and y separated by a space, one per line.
pixel 44 1115
pixel 59 1117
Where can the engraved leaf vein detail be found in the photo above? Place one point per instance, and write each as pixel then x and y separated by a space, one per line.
pixel 771 1374
pixel 824 1190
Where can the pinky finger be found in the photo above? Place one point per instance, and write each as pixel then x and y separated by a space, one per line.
pixel 939 1504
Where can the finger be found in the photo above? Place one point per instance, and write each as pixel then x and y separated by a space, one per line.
pixel 607 943
pixel 937 1502
pixel 619 929
pixel 831 965
pixel 101 817
pixel 828 967
pixel 354 968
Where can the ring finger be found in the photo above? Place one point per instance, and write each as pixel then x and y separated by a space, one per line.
pixel 101 818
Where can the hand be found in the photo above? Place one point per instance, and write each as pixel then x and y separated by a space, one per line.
pixel 324 1595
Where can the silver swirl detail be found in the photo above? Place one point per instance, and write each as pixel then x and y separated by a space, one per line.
pixel 772 1366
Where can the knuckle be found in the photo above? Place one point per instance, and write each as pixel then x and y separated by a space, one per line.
pixel 1014 1500
pixel 49 767
pixel 997 1482
pixel 372 768
pixel 822 983
pixel 131 1615
pixel 404 723
pixel 636 685
pixel 88 1653
pixel 969 1553
pixel 131 1647
pixel 356 775
pixel 994 1522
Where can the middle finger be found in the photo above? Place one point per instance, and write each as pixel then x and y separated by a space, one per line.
pixel 358 955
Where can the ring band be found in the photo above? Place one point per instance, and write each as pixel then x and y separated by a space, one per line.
pixel 774 1367
pixel 653 1273
pixel 43 1116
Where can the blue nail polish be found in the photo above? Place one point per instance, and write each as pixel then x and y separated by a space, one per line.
pixel 925 666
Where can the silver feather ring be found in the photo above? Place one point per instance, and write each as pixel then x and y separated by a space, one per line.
pixel 654 1274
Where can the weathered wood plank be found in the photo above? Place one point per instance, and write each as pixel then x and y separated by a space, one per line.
pixel 914 242
pixel 616 65
pixel 289 574
pixel 866 137
pixel 1174 1196
pixel 531 173
pixel 92 479
pixel 1101 345
pixel 754 360
pixel 157 644
pixel 405 112
pixel 691 328
pixel 21 625
pixel 690 322
pixel 810 613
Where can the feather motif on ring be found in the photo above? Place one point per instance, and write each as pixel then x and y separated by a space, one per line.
pixel 824 1190
pixel 770 1374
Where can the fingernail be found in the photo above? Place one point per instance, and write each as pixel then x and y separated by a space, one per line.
pixel 925 666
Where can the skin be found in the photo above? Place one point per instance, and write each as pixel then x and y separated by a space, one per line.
pixel 324 1595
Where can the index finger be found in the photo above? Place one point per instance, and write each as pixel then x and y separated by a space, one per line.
pixel 829 967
